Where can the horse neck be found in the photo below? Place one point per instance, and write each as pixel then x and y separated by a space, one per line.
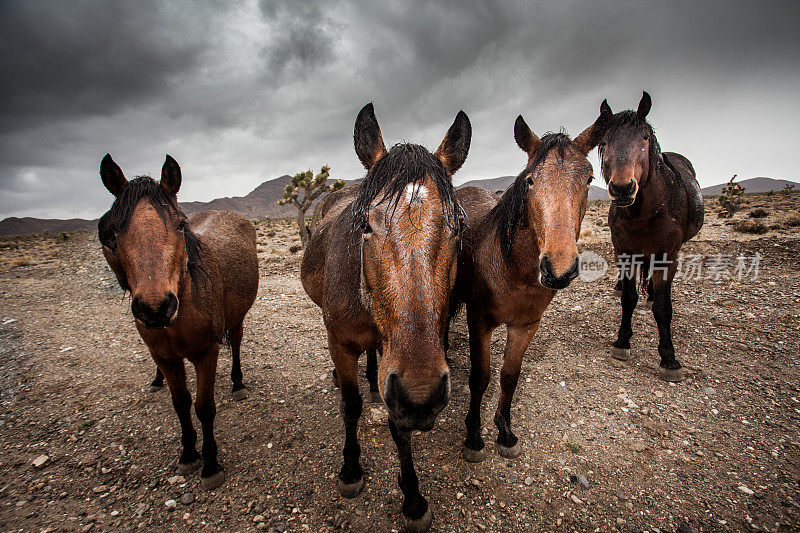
pixel 522 262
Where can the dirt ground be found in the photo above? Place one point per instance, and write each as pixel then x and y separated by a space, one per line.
pixel 607 445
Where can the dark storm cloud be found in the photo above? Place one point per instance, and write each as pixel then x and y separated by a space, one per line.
pixel 240 93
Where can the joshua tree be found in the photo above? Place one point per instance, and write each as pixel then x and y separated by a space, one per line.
pixel 730 199
pixel 788 188
pixel 313 187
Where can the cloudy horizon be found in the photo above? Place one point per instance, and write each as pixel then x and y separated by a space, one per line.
pixel 239 94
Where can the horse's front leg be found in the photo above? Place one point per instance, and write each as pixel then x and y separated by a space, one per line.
pixel 345 359
pixel 175 374
pixel 158 381
pixel 621 348
pixel 416 513
pixel 670 368
pixel 205 367
pixel 480 341
pixel 372 375
pixel 517 341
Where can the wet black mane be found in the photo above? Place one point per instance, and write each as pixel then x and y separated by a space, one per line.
pixel 511 208
pixel 405 164
pixel 117 218
pixel 628 122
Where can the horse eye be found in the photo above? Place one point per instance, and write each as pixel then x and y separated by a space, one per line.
pixel 181 225
pixel 602 144
pixel 646 136
pixel 366 229
pixel 529 180
pixel 590 180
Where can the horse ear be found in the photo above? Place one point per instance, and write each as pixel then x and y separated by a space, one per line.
pixel 455 145
pixel 367 137
pixel 644 105
pixel 171 175
pixel 526 139
pixel 591 136
pixel 112 176
pixel 605 108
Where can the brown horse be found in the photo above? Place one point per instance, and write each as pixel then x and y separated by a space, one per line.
pixel 518 251
pixel 381 266
pixel 656 207
pixel 192 281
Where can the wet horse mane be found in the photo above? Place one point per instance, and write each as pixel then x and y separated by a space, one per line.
pixel 631 119
pixel 405 164
pixel 511 207
pixel 119 215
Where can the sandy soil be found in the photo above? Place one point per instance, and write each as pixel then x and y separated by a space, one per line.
pixel 717 452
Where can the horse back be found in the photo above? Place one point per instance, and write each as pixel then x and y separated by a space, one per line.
pixel 687 178
pixel 230 251
pixel 476 202
pixel 333 204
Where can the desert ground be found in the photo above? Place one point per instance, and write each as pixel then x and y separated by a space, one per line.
pixel 607 445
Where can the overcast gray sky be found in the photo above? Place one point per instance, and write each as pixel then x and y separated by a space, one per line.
pixel 243 92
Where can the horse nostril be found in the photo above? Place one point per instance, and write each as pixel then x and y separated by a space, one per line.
pixel 546 267
pixel 572 273
pixel 172 304
pixel 136 308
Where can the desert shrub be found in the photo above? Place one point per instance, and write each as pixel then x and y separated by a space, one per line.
pixel 794 220
pixel 751 226
pixel 730 199
pixel 295 248
pixel 758 213
pixel 787 188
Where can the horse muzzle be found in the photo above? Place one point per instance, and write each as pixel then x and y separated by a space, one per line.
pixel 550 280
pixel 158 316
pixel 409 414
pixel 623 195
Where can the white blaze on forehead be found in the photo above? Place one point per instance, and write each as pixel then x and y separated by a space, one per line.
pixel 416 192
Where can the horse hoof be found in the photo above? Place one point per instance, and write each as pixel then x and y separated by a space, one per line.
pixel 648 304
pixel 155 388
pixel 509 453
pixel 351 490
pixel 375 397
pixel 620 354
pixel 241 394
pixel 188 468
pixel 420 525
pixel 473 456
pixel 213 481
pixel 671 374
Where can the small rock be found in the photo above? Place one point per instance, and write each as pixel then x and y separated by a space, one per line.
pixel 709 391
pixel 141 509
pixel 580 479
pixel 40 461
pixel 746 490
pixel 529 481
pixel 175 479
pixel 258 518
pixel 100 488
pixel 575 499
pixel 187 498
pixel 686 528
pixel 171 505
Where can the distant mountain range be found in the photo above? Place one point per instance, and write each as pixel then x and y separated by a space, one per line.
pixel 261 203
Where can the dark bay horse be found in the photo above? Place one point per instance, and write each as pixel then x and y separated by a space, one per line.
pixel 192 281
pixel 656 207
pixel 381 266
pixel 518 251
